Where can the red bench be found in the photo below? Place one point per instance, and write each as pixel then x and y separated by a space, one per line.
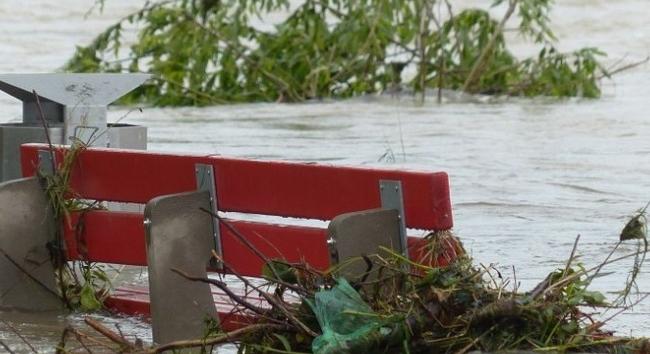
pixel 296 190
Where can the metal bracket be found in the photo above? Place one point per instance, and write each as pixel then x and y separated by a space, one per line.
pixel 46 164
pixel 334 252
pixel 205 181
pixel 391 198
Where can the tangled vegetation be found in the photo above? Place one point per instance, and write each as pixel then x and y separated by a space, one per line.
pixel 204 52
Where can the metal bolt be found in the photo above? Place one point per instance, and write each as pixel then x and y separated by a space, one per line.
pixel 147 222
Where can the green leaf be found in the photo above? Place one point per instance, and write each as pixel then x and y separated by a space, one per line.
pixel 636 228
pixel 284 341
pixel 88 299
pixel 284 272
pixel 594 298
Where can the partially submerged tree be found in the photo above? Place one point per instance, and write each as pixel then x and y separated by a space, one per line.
pixel 208 51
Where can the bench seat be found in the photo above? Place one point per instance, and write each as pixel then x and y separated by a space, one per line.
pixel 134 301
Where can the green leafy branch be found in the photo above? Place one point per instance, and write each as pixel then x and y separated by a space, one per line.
pixel 204 52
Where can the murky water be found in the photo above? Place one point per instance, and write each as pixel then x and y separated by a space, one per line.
pixel 527 175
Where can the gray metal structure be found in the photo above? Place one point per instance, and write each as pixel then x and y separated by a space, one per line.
pixel 74 107
pixel 27 226
pixel 205 182
pixel 391 198
pixel 179 236
pixel 361 234
pixel 354 235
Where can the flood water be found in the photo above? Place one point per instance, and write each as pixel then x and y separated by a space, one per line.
pixel 527 176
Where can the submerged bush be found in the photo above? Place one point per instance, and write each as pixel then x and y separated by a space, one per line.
pixel 207 51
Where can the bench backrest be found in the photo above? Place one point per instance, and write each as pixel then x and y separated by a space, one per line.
pixel 298 190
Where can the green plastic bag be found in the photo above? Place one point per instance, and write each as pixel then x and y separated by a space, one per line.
pixel 347 322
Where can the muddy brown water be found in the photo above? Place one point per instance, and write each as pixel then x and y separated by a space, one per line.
pixel 527 176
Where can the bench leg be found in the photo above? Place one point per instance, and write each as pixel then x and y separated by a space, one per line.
pixel 179 236
pixel 27 279
pixel 358 234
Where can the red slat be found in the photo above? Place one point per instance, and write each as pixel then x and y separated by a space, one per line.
pixel 291 243
pixel 258 187
pixel 134 301
pixel 118 237
pixel 130 304
pixel 107 237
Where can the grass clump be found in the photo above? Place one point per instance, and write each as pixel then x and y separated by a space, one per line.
pixel 83 285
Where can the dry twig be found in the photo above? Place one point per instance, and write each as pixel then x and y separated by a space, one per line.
pixel 221 285
pixel 6 347
pixel 220 339
pixel 114 337
pixel 22 338
pixel 271 300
